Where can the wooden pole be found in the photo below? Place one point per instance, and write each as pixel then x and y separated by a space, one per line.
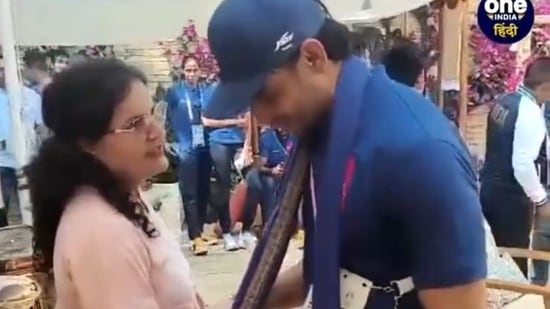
pixel 464 67
pixel 254 140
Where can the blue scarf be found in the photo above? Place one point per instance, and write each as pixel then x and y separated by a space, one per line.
pixel 343 127
pixel 344 123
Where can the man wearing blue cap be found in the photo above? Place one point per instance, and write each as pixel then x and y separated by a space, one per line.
pixel 391 209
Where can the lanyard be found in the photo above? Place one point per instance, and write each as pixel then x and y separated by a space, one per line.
pixel 189 104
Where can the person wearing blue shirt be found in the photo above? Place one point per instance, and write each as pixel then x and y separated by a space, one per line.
pixel 391 210
pixel 31 118
pixel 184 107
pixel 260 181
pixel 225 137
pixel 6 159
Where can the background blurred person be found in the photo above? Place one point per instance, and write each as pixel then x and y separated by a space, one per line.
pixel 184 111
pixel 261 181
pixel 225 137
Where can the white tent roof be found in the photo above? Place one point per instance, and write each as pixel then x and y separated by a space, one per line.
pixel 83 22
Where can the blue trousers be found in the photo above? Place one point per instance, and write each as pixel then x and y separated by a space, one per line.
pixel 8 178
pixel 260 190
pixel 222 158
pixel 194 183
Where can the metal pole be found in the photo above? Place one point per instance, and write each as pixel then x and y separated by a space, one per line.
pixel 13 87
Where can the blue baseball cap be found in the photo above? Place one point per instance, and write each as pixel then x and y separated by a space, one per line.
pixel 251 38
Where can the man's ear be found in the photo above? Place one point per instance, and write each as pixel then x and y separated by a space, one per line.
pixel 313 54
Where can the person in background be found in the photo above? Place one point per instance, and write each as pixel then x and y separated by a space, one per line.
pixel 405 63
pixel 511 189
pixel 107 247
pixel 541 231
pixel 261 181
pixel 184 107
pixel 36 70
pixel 60 60
pixel 225 137
pixel 32 125
pixel 8 181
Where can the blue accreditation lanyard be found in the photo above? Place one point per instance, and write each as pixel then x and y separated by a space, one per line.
pixel 197 130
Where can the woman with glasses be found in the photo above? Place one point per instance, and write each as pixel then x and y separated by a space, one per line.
pixel 184 105
pixel 107 247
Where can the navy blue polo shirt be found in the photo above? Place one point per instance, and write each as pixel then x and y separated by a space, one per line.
pixel 229 135
pixel 272 148
pixel 412 208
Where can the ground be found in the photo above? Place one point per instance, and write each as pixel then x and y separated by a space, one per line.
pixel 219 274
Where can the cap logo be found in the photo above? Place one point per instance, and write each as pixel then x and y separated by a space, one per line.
pixel 284 42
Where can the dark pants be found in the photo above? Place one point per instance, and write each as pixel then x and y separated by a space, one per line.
pixel 510 216
pixel 8 179
pixel 260 190
pixel 222 158
pixel 194 181
pixel 541 242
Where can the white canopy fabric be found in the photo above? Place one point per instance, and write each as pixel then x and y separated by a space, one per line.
pixel 106 22
pixel 371 10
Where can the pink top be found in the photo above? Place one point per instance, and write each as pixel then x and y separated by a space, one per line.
pixel 101 260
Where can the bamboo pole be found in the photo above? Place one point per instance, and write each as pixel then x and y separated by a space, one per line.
pixel 254 140
pixel 464 70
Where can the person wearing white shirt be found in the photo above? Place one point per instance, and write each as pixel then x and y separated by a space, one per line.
pixel 511 186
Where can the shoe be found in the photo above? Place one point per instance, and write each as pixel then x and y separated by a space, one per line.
pixel 210 239
pixel 300 239
pixel 246 240
pixel 229 243
pixel 199 247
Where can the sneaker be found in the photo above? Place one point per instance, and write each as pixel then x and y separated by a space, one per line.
pixel 229 243
pixel 246 240
pixel 300 238
pixel 210 240
pixel 199 247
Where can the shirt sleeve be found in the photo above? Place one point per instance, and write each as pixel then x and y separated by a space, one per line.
pixel 111 269
pixel 438 206
pixel 529 133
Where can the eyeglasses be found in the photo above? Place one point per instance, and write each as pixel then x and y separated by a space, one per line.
pixel 190 70
pixel 140 124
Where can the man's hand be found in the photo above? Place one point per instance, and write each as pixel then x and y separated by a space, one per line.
pixel 277 170
pixel 288 289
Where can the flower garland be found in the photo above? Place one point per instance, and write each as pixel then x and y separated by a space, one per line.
pixel 190 44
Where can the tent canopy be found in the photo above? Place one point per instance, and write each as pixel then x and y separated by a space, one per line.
pixel 106 22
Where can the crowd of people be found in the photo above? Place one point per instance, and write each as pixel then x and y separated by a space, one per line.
pixel 203 144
